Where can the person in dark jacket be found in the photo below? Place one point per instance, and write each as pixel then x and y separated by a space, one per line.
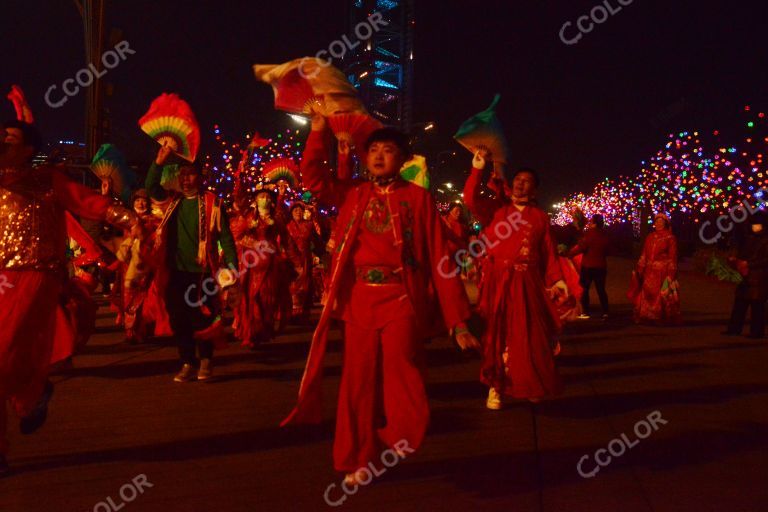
pixel 594 264
pixel 751 261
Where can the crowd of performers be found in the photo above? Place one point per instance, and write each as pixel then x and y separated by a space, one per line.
pixel 387 280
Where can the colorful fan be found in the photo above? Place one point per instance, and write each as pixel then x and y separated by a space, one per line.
pixel 109 162
pixel 415 170
pixel 281 169
pixel 302 82
pixel 171 121
pixel 484 129
pixel 23 112
pixel 354 128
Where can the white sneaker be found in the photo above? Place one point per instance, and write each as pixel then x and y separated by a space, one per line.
pixel 494 400
pixel 206 370
pixel 187 374
pixel 353 478
pixel 583 317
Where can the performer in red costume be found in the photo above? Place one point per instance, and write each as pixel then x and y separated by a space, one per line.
pixel 284 265
pixel 458 232
pixel 304 233
pixel 258 235
pixel 136 271
pixel 520 269
pixel 658 300
pixel 388 244
pixel 32 258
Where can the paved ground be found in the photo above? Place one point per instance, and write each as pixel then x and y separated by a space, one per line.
pixel 216 447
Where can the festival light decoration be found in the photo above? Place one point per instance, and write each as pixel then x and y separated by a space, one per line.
pixel 689 177
pixel 245 162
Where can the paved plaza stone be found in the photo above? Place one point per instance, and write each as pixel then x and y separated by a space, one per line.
pixel 122 436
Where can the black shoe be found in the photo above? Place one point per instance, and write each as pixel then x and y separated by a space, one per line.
pixel 36 419
pixel 730 333
pixel 755 336
pixel 4 469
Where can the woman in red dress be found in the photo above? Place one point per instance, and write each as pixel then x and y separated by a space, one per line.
pixel 658 300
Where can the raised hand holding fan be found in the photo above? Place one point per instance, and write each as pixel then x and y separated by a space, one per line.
pixel 354 129
pixel 109 163
pixel 171 121
pixel 484 130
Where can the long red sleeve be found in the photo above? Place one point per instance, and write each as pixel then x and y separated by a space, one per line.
pixel 316 172
pixel 450 290
pixel 483 208
pixel 78 199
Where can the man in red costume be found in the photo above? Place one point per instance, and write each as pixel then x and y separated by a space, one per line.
pixel 520 269
pixel 33 239
pixel 388 244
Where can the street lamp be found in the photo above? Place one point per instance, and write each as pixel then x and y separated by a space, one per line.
pixel 299 119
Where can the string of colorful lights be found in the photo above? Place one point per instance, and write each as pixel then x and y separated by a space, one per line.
pixel 692 176
pixel 246 161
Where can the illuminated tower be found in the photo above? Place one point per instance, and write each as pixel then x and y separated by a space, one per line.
pixel 381 67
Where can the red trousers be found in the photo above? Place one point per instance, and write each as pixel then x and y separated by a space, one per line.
pixel 28 320
pixel 382 399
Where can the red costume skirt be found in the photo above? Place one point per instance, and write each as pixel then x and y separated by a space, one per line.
pixel 521 322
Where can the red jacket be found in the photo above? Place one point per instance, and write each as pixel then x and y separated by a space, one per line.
pixel 420 240
pixel 595 246
pixel 507 230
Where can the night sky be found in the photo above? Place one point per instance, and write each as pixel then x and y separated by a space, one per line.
pixel 577 113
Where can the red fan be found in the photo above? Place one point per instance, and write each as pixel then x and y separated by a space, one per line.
pixel 258 142
pixel 354 128
pixel 299 83
pixel 293 93
pixel 23 112
pixel 281 169
pixel 171 121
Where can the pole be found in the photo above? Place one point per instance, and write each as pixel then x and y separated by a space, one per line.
pixel 92 12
